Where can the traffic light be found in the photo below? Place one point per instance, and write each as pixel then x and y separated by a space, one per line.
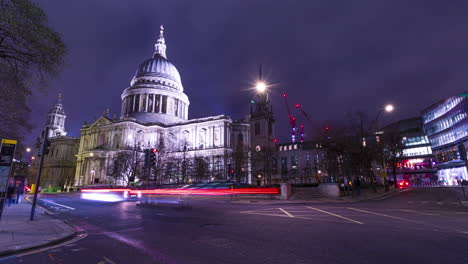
pixel 153 157
pixel 231 173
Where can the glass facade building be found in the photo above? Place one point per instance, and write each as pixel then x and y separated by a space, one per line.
pixel 416 163
pixel 446 126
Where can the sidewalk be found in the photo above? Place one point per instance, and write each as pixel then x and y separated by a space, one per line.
pixel 18 233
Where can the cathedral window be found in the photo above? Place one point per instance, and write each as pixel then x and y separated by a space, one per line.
pixel 257 128
pixel 202 138
pixel 130 104
pixel 101 140
pixel 157 103
pixel 137 103
pixel 240 141
pixel 143 103
pixel 164 104
pixel 150 103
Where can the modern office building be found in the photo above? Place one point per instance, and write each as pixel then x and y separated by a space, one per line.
pixel 446 126
pixel 416 163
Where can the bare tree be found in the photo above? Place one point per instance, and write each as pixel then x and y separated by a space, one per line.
pixel 393 149
pixel 30 52
pixel 125 167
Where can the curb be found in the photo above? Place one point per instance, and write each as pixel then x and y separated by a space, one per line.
pixel 11 252
pixel 75 234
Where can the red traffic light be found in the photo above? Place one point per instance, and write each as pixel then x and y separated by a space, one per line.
pixel 327 128
pixel 275 140
pixel 154 150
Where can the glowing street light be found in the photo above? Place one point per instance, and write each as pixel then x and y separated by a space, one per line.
pixel 28 149
pixel 261 86
pixel 389 108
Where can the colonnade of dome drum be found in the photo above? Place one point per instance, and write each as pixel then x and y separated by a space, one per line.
pixel 155 103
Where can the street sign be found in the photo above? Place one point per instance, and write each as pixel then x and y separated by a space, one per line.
pixel 383 174
pixel 7 153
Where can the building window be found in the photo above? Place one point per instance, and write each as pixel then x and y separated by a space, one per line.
pixel 270 128
pixel 240 140
pixel 294 163
pixel 150 102
pixel 143 103
pixel 137 103
pixel 131 103
pixel 274 166
pixel 257 128
pixel 284 165
pixel 157 103
pixel 164 104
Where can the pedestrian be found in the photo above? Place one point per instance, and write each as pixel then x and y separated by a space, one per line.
pixel 10 193
pixel 358 186
pixel 19 192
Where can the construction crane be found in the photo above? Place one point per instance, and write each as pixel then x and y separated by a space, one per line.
pixel 304 113
pixel 298 106
pixel 292 119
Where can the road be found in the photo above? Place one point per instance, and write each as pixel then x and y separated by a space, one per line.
pixel 416 226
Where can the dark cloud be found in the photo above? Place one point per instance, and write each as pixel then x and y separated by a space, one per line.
pixel 330 56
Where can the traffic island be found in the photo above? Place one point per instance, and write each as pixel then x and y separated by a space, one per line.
pixel 164 203
pixel 19 234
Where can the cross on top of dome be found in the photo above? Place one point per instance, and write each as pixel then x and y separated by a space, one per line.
pixel 160 46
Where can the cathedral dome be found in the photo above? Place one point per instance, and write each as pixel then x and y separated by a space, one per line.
pixel 158 66
pixel 156 94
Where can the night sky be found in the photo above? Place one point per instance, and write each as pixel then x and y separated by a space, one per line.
pixel 331 56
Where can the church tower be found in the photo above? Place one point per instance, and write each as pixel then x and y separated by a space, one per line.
pixel 262 134
pixel 56 119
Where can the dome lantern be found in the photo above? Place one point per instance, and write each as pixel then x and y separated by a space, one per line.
pixel 160 46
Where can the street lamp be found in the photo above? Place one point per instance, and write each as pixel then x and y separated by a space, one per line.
pixel 28 149
pixel 389 108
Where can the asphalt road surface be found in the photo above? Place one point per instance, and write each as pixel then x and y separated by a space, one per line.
pixel 416 226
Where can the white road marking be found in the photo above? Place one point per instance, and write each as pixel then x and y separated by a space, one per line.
pixel 390 195
pixel 282 215
pixel 339 216
pixel 385 215
pixel 416 212
pixel 64 206
pixel 286 212
pixel 42 208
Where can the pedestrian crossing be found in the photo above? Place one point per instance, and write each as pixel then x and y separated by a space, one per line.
pixel 354 215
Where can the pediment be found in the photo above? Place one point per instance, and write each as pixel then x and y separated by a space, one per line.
pixel 102 121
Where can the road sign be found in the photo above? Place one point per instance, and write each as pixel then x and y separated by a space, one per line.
pixel 7 153
pixel 383 174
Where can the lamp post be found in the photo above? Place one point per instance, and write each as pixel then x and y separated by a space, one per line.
pixel 389 108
